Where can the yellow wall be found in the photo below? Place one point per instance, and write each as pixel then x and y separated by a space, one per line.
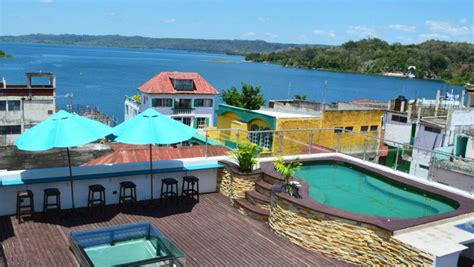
pixel 346 118
pixel 294 142
pixel 297 142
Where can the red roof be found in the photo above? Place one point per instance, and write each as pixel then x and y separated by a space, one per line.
pixel 162 84
pixel 131 153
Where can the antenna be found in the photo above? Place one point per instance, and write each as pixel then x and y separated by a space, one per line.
pixel 289 90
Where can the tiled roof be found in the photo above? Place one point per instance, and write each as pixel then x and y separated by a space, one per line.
pixel 122 153
pixel 162 84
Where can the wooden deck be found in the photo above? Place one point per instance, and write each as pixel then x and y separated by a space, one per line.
pixel 210 233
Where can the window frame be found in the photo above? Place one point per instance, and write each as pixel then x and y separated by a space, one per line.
pixel 399 118
pixel 372 130
pixel 14 109
pixel 162 100
pixel 209 102
pixel 432 129
pixel 366 128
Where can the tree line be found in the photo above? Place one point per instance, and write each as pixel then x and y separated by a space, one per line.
pixel 239 47
pixel 449 61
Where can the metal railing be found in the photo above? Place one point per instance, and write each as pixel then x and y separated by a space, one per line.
pixel 371 147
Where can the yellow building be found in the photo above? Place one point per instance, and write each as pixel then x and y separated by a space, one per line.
pixel 288 124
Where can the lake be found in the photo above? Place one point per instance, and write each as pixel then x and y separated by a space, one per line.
pixel 103 76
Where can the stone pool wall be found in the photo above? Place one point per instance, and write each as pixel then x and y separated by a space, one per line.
pixel 341 239
pixel 234 184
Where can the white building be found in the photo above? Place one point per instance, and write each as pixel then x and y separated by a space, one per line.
pixel 23 106
pixel 186 97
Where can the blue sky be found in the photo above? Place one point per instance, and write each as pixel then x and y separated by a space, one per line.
pixel 316 22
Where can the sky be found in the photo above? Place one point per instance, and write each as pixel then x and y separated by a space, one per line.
pixel 312 22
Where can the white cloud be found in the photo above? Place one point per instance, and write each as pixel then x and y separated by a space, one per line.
pixel 463 20
pixel 168 21
pixel 444 27
pixel 402 27
pixel 330 34
pixel 430 36
pixel 250 34
pixel 361 31
pixel 271 35
pixel 263 19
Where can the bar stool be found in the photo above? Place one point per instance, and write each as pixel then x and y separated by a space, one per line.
pixel 52 192
pixel 132 193
pixel 190 191
pixel 22 208
pixel 93 189
pixel 171 189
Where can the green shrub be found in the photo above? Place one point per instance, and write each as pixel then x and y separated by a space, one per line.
pixel 246 156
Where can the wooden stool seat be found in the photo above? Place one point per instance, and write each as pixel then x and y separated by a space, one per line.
pixel 52 192
pixel 92 200
pixel 132 193
pixel 22 208
pixel 171 189
pixel 192 187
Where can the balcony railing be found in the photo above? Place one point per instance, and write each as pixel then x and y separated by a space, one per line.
pixel 366 146
pixel 183 110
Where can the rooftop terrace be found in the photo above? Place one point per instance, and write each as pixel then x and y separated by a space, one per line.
pixel 210 233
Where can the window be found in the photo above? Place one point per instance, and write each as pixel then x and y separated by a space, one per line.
pixel 10 129
pixel 183 85
pixel 432 129
pixel 50 112
pixel 3 105
pixel 14 105
pixel 399 118
pixel 364 128
pixel 182 103
pixel 349 128
pixel 374 128
pixel 203 103
pixel 424 167
pixel 201 123
pixel 338 130
pixel 267 140
pixel 161 102
pixel 187 121
pixel 254 137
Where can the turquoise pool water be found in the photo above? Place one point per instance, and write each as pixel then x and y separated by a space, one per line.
pixel 121 252
pixel 350 188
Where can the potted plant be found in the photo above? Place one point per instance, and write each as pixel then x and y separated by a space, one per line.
pixel 246 156
pixel 288 170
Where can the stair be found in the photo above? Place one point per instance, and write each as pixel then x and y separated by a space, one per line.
pixel 258 199
pixel 251 210
pixel 263 188
pixel 270 179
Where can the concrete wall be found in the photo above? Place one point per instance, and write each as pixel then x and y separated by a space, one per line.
pixel 32 111
pixel 452 178
pixel 207 181
pixel 398 132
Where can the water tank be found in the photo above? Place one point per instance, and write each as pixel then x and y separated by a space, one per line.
pixel 401 103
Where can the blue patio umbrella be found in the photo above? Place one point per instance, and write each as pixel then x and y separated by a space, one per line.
pixel 62 130
pixel 151 127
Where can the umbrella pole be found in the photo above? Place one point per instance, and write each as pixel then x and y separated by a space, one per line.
pixel 70 176
pixel 151 173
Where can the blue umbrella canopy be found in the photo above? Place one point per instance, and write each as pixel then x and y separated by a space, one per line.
pixel 62 130
pixel 152 127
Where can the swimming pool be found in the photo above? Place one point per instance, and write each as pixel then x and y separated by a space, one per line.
pixel 125 245
pixel 347 187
